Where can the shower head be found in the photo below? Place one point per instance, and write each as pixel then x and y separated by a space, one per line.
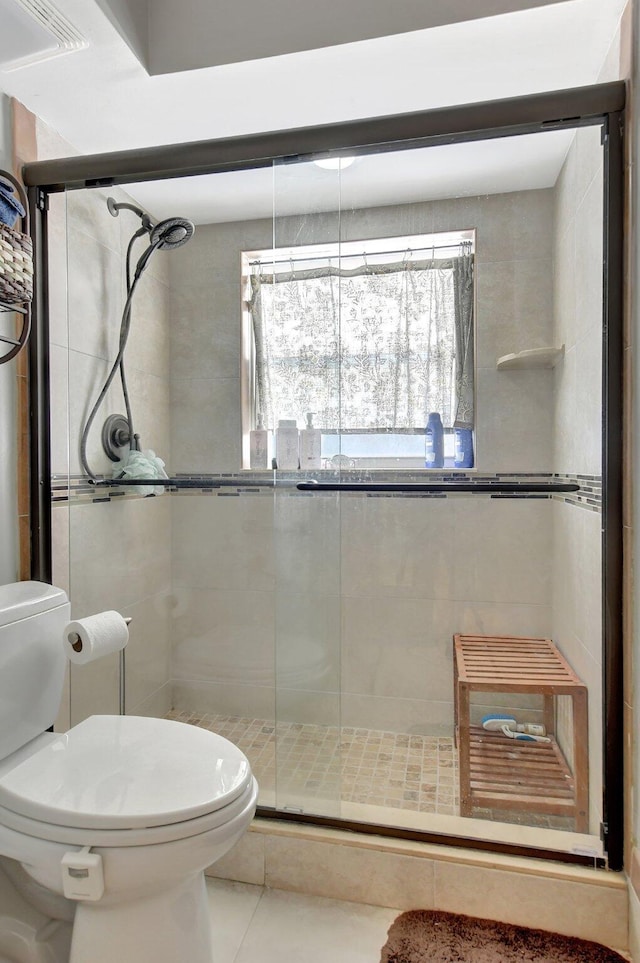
pixel 174 232
pixel 114 207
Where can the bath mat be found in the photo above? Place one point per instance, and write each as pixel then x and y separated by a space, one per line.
pixel 429 936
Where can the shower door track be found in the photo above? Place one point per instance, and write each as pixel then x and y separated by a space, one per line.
pixel 601 105
pixel 440 839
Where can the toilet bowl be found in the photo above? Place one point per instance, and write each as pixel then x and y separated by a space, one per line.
pixel 156 801
pixel 118 819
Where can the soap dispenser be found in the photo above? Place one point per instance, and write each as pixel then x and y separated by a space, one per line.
pixel 310 441
pixel 259 445
pixel 287 456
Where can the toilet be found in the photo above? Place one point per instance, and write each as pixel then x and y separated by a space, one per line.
pixel 105 830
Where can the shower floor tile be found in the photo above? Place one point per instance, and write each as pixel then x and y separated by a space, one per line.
pixel 397 770
pixel 316 768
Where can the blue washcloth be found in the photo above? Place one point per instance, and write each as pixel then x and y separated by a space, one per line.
pixel 141 464
pixel 10 207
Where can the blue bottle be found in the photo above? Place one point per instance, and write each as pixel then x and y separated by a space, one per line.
pixel 434 442
pixel 463 452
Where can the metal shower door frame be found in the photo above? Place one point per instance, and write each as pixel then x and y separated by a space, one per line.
pixel 566 109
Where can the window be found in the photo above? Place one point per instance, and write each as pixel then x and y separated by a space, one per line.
pixel 370 336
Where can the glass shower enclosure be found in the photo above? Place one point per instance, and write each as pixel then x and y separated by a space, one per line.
pixel 308 610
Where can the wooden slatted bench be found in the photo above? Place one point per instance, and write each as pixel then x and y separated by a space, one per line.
pixel 500 773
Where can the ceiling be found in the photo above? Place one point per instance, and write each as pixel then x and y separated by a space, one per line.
pixel 168 37
pixel 377 179
pixel 103 98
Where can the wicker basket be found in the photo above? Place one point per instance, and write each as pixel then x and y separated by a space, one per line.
pixel 16 266
pixel 16 254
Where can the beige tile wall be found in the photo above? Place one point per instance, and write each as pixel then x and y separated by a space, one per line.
pixel 514 272
pixel 108 555
pixel 577 278
pixel 280 586
pixel 361 601
pixel 577 380
pixel 576 901
pixel 393 579
pixel 96 245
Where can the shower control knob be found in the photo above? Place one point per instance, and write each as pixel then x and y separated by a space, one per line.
pixel 116 435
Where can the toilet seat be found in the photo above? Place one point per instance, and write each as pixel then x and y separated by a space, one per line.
pixel 70 836
pixel 126 779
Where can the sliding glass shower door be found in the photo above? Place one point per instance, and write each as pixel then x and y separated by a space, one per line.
pixel 299 381
pixel 428 310
pixel 377 388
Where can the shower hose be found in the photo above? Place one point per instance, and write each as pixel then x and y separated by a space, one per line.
pixel 125 326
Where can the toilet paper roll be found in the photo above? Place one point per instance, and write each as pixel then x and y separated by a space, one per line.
pixel 88 639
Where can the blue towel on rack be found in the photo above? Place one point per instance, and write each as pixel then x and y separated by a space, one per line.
pixel 10 207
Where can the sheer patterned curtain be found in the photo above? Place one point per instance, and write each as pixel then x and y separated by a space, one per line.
pixel 367 348
pixel 464 411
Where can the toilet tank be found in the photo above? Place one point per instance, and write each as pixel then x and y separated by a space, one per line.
pixel 32 660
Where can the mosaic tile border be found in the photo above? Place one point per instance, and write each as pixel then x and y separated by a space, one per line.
pixel 589 496
pixel 77 489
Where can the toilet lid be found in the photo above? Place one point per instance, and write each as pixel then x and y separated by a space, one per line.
pixel 111 772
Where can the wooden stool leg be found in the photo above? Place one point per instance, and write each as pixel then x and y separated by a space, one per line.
pixel 463 740
pixel 581 759
pixel 549 716
pixel 456 710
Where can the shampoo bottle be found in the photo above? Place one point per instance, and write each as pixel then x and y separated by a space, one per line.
pixel 287 457
pixel 434 442
pixel 259 445
pixel 310 439
pixel 463 452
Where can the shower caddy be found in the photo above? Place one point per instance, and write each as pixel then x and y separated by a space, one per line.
pixel 16 274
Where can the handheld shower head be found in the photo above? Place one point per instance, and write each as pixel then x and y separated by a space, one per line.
pixel 174 232
pixel 169 234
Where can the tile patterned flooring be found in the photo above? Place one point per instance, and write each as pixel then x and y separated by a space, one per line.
pixel 255 925
pixel 316 768
pixel 400 771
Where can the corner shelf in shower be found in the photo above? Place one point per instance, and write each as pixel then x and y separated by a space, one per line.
pixel 530 359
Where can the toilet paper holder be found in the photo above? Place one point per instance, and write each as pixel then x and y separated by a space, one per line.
pixel 76 644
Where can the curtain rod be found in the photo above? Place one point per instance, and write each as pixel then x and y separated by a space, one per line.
pixel 364 254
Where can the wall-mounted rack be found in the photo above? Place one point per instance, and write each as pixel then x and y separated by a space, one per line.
pixel 16 275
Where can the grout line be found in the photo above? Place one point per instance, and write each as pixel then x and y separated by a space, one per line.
pixel 250 922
